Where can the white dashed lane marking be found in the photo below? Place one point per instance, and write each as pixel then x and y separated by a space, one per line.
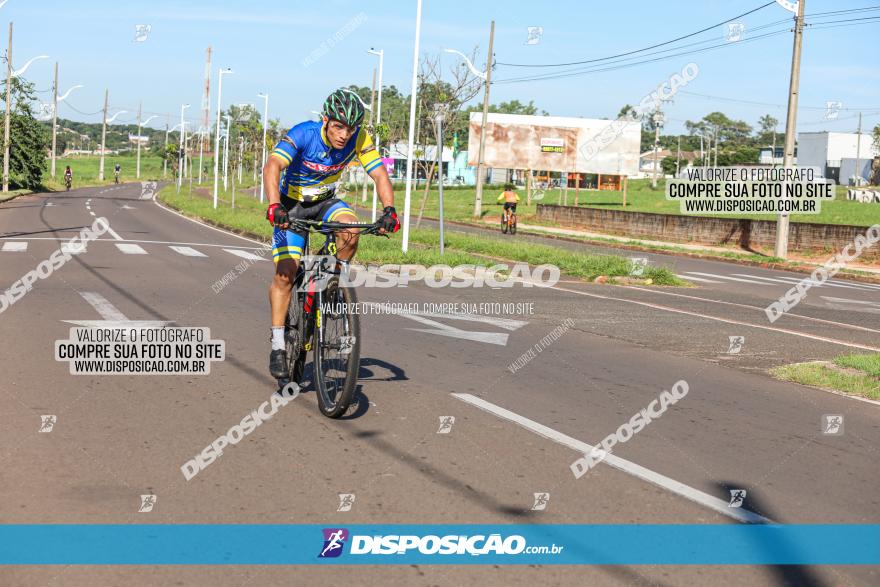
pixel 187 251
pixel 245 254
pixel 130 249
pixel 14 247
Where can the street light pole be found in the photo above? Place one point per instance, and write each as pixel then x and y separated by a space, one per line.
pixel 781 249
pixel 265 128
pixel 478 203
pixel 412 128
pixel 7 116
pixel 381 54
pixel 226 153
pixel 440 115
pixel 217 135
pixel 181 158
pixel 103 136
pixel 54 120
pixel 140 126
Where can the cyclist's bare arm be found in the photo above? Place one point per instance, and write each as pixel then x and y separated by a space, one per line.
pixel 383 186
pixel 272 179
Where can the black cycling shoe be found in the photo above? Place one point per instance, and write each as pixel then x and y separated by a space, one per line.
pixel 278 364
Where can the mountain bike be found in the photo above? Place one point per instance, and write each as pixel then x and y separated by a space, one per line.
pixel 322 317
pixel 508 222
pixel 68 181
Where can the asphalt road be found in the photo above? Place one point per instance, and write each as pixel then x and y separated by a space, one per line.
pixel 514 434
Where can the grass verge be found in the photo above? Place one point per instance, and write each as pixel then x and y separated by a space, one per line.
pixel 461 249
pixel 851 374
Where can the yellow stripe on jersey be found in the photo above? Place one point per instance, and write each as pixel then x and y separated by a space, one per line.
pixel 366 151
pixel 282 155
pixel 342 212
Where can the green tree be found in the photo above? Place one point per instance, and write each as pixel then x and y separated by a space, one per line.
pixel 768 126
pixel 29 138
pixel 667 164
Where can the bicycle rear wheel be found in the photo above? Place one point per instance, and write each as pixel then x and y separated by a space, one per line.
pixel 337 350
pixel 293 339
pixel 503 224
pixel 513 224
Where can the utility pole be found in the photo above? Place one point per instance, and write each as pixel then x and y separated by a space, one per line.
pixel 138 140
pixel 715 146
pixel 440 114
pixel 678 157
pixel 781 250
pixel 103 136
pixel 478 203
pixel 370 125
pixel 165 152
pixel 8 110
pixel 263 151
pixel 859 152
pixel 54 120
pixel 657 117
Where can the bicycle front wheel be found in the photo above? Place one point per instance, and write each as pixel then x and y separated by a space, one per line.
pixel 337 350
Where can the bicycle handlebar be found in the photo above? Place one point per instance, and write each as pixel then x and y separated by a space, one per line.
pixel 318 225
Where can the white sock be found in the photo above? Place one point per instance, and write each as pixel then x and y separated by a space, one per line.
pixel 277 338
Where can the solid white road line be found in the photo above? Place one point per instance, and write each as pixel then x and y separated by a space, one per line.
pixel 13 246
pixel 692 278
pixel 245 254
pixel 718 505
pixel 716 318
pixel 202 224
pixel 187 251
pixel 45 238
pixel 801 316
pixel 130 249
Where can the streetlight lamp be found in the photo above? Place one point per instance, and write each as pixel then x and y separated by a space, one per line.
pixel 217 135
pixel 487 77
pixel 140 125
pixel 381 54
pixel 265 127
pixel 181 158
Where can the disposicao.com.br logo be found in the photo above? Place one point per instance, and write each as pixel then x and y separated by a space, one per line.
pixel 451 544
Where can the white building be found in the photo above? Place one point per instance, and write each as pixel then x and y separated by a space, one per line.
pixel 825 150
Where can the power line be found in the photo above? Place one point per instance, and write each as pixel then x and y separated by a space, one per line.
pixel 638 50
pixel 570 73
pixel 756 103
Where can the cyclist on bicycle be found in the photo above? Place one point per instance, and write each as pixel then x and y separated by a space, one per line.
pixel 300 179
pixel 510 199
pixel 68 174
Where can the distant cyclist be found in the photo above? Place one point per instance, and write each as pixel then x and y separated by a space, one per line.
pixel 510 200
pixel 68 176
pixel 300 179
pixel 117 171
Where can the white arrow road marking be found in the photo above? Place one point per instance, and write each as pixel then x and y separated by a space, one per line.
pixel 127 207
pixel 48 204
pixel 112 317
pixel 13 246
pixel 245 254
pixel 188 251
pixel 131 249
pixel 441 329
pixel 671 485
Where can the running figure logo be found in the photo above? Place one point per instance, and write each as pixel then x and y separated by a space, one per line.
pixel 334 540
pixel 141 32
pixel 736 344
pixel 638 265
pixel 832 424
pixel 735 32
pixel 346 500
pixel 47 423
pixel 541 501
pixel 534 35
pixel 147 503
pixel 446 423
pixel 737 497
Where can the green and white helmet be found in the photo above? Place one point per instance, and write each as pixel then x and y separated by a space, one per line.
pixel 345 106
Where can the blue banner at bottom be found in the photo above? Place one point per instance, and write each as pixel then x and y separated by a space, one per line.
pixel 251 544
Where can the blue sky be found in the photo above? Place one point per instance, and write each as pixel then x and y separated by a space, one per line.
pixel 266 42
